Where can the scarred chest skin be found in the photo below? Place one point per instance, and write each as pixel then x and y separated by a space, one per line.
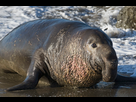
pixel 77 73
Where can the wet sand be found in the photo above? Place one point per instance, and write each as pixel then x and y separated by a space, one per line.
pixel 117 90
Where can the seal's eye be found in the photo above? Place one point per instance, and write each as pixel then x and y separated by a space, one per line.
pixel 94 45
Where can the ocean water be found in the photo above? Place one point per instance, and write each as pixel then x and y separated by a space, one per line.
pixel 124 40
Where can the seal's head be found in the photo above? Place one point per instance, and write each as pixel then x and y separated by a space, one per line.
pixel 103 57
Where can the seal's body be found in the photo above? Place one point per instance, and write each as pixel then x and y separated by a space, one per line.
pixel 70 53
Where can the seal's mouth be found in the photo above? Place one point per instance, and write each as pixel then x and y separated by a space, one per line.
pixel 109 78
pixel 110 72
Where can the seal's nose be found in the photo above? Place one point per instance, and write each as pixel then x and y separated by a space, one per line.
pixel 109 73
pixel 111 56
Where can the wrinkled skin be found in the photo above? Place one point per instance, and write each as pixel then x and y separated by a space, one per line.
pixel 68 53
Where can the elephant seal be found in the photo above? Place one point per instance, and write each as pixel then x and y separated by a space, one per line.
pixel 70 53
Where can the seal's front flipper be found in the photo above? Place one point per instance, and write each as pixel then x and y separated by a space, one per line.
pixel 29 83
pixel 22 86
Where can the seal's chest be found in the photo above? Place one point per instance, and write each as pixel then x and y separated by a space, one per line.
pixel 75 72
